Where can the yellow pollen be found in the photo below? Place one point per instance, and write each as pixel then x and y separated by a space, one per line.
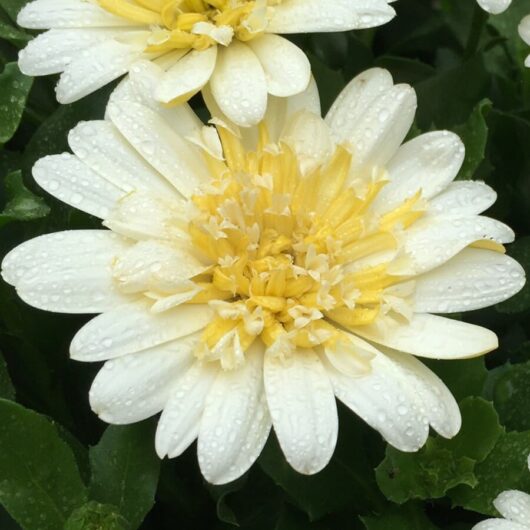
pixel 193 24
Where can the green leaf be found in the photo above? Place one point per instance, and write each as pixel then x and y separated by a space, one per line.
pixel 330 82
pixel 450 96
pixel 511 395
pixel 442 464
pixel 520 251
pixel 407 517
pixel 14 90
pixel 505 468
pixel 40 483
pixel 125 470
pixel 12 7
pixel 7 390
pixel 464 377
pixel 95 516
pixel 22 205
pixel 347 481
pixel 8 32
pixel 474 134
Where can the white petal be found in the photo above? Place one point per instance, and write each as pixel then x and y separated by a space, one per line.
pixel 139 87
pixel 136 386
pixel 46 14
pixel 473 279
pixel 155 266
pixel 101 146
pixel 67 178
pixel 239 86
pixel 494 6
pixel 52 51
pixel 431 336
pixel 384 399
pixel 355 98
pixel 179 161
pixel 434 240
pixel 524 29
pixel 187 76
pixel 514 505
pixel 235 423
pixel 95 68
pixel 180 420
pixel 67 272
pixel 308 16
pixel 286 66
pixel 131 328
pixel 463 197
pixel 303 409
pixel 427 163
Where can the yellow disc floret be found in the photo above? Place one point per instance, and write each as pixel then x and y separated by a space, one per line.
pixel 197 24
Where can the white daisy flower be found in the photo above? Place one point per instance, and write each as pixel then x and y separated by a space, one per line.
pixel 524 32
pixel 250 276
pixel 494 7
pixel 514 506
pixel 232 45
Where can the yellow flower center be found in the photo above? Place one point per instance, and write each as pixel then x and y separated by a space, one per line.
pixel 197 24
pixel 287 249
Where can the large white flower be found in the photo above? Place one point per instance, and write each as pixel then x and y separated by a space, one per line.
pixel 514 506
pixel 524 32
pixel 494 6
pixel 229 44
pixel 250 276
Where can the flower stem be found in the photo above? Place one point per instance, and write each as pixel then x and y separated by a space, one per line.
pixel 475 31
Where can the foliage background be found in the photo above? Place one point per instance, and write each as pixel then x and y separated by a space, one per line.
pixel 60 467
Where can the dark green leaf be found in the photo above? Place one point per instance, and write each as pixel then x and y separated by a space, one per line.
pixel 505 468
pixel 125 470
pixel 407 517
pixel 6 386
pixel 22 205
pixel 14 90
pixel 40 483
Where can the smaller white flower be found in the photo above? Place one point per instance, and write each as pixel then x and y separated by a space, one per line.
pixel 494 6
pixel 524 32
pixel 514 506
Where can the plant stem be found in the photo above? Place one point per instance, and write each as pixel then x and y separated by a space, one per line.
pixel 475 31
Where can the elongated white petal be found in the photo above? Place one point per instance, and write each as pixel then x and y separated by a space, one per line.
pixel 433 241
pixel 155 266
pixel 464 197
pixel 52 51
pixel 180 420
pixel 46 14
pixel 239 86
pixel 514 505
pixel 235 423
pixel 428 163
pixel 136 386
pixel 67 272
pixel 473 279
pixel 431 336
pixel 524 29
pixel 131 328
pixel 494 6
pixel 101 146
pixel 187 76
pixel 305 16
pixel 355 98
pixel 163 148
pixel 73 182
pixel 286 66
pixel 89 71
pixel 303 409
pixel 384 399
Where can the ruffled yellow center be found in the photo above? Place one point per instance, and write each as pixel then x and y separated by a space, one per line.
pixel 197 24
pixel 287 249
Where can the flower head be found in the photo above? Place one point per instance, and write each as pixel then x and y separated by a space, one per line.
pixel 250 276
pixel 230 45
pixel 514 506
